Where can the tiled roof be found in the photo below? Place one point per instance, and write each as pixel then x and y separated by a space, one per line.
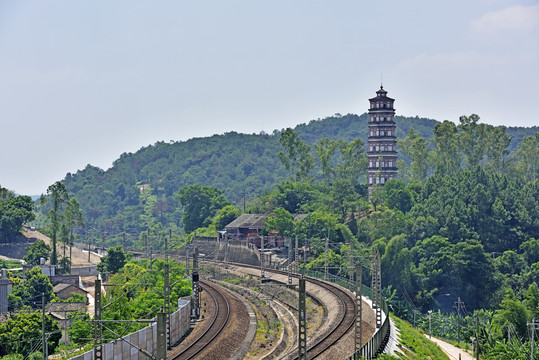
pixel 256 221
pixel 249 221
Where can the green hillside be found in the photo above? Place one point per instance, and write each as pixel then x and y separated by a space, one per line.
pixel 242 165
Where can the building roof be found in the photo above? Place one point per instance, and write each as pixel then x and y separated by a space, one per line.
pixel 256 221
pixel 379 95
pixel 248 221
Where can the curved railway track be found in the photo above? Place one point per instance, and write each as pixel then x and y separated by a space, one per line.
pixel 344 322
pixel 217 323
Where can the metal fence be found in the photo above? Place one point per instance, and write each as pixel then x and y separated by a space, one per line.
pixel 378 341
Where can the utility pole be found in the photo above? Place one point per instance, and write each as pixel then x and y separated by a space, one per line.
pixel 359 313
pixel 458 305
pixel 534 326
pixel 146 242
pixel 430 316
pixel 351 262
pixel 103 241
pixel 296 254
pixel 124 241
pixel 326 259
pixel 377 287
pixel 477 334
pixel 226 251
pixel 289 261
pixel 98 325
pixel 161 336
pixel 262 257
pixel 302 333
pixel 166 283
pixel 89 238
pixel 196 288
pixel 45 350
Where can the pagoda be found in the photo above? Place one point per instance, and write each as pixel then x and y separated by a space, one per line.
pixel 382 142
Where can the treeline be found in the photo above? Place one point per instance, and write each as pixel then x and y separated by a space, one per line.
pixel 14 212
pixel 138 191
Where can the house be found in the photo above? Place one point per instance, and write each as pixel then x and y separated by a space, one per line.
pixel 247 228
pixel 64 291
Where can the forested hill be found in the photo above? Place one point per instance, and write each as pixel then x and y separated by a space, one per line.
pixel 241 165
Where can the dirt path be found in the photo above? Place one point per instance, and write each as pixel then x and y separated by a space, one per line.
pixel 79 257
pixel 453 352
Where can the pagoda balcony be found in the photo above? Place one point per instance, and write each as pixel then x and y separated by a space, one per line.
pixel 382 153
pixel 381 168
pixel 381 122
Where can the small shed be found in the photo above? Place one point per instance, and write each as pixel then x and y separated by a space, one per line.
pixel 64 291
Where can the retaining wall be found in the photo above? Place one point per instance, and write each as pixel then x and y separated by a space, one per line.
pixel 145 338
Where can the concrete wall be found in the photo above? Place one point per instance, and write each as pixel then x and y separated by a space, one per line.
pixel 84 270
pixel 145 338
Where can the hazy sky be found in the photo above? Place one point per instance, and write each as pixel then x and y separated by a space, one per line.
pixel 84 81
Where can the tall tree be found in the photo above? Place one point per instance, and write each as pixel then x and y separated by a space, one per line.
pixel 59 196
pixel 325 149
pixel 200 203
pixel 113 261
pixel 74 219
pixel 297 157
pixel 473 139
pixel 14 212
pixel 527 158
pixel 406 150
pixel 448 154
pixel 420 159
pixel 36 251
pixel 354 161
pixel 497 143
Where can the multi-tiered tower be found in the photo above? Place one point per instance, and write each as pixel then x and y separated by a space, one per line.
pixel 382 147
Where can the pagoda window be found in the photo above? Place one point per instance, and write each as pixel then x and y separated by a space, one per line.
pixel 383 180
pixel 390 148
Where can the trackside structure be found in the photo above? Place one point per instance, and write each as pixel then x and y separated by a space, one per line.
pixel 146 338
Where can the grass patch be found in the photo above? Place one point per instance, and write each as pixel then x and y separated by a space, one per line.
pixel 415 344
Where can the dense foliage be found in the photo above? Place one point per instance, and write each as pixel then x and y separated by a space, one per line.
pixel 139 191
pixel 134 292
pixel 14 212
pixel 22 333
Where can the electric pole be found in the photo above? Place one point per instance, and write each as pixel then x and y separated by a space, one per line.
pixel 196 287
pixel 161 336
pixel 534 326
pixel 302 333
pixel 262 257
pixel 326 259
pixel 458 305
pixel 359 313
pixel 477 334
pixel 98 325
pixel 166 283
pixel 289 261
pixel 296 253
pixel 45 352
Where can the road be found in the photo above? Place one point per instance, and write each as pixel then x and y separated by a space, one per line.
pixel 453 352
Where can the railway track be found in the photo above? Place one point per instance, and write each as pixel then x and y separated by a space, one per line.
pixel 217 324
pixel 343 323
